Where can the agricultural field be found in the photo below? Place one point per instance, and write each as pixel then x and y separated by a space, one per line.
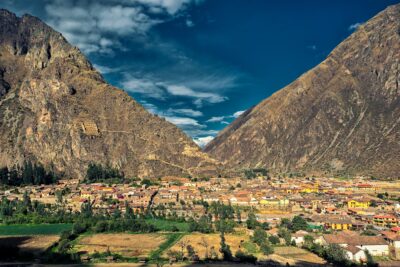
pixel 295 255
pixel 127 245
pixel 33 229
pixel 198 241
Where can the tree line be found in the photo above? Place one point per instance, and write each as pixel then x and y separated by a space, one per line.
pixel 27 174
pixel 98 173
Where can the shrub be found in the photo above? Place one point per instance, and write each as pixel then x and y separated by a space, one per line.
pixel 246 258
pixel 266 249
pixel 273 239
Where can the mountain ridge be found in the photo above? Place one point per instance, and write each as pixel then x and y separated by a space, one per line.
pixel 56 109
pixel 328 120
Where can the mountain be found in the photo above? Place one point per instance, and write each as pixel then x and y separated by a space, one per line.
pixel 341 117
pixel 57 110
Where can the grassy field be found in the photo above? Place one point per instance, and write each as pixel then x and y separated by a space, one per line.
pixel 298 255
pixel 33 229
pixel 126 245
pixel 171 240
pixel 196 240
pixel 165 225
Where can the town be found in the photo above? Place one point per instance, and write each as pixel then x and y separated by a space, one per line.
pixel 361 214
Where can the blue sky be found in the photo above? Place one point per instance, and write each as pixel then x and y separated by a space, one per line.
pixel 200 63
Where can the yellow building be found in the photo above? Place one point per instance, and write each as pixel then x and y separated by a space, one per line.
pixel 341 226
pixel 362 204
pixel 334 222
pixel 274 202
pixel 385 220
pixel 309 190
pixel 86 194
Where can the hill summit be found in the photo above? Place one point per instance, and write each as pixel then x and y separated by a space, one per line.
pixel 57 110
pixel 341 117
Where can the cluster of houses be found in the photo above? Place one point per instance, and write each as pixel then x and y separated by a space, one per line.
pixel 346 208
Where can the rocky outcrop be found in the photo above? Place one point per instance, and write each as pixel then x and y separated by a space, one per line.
pixel 343 116
pixel 56 109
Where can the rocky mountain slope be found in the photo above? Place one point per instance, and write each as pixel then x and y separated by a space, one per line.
pixel 343 116
pixel 56 109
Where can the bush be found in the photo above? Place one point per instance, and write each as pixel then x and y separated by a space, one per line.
pixel 298 223
pixel 100 227
pixel 64 245
pixel 175 255
pixel 259 236
pixel 266 249
pixel 245 258
pixel 274 239
pixel 79 228
pixel 336 255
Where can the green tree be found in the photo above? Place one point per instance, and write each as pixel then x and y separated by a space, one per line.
pixel 100 227
pixel 245 258
pixel 370 260
pixel 251 221
pixel 259 236
pixel 238 215
pixel 225 225
pixel 273 239
pixel 249 174
pixel 4 175
pixel 336 255
pixel 27 173
pixel 285 234
pixel 129 214
pixel 86 210
pixel 266 248
pixel 298 223
pixel 225 249
pixel 308 241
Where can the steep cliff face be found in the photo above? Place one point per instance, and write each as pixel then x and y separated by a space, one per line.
pixel 56 109
pixel 341 116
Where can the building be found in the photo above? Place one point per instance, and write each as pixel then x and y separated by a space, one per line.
pixel 298 237
pixel 385 220
pixel 353 242
pixel 358 204
pixel 334 222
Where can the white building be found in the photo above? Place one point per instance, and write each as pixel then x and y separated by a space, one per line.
pixel 353 243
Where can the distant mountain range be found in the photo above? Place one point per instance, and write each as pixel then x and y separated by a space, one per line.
pixel 57 110
pixel 341 117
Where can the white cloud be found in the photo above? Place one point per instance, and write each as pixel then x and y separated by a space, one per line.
pixel 105 69
pixel 189 23
pixel 185 111
pixel 354 26
pixel 238 113
pixel 182 121
pixel 190 126
pixel 203 141
pixel 96 25
pixel 171 6
pixel 216 119
pixel 147 88
pixel 200 97
pixel 221 119
pixel 150 107
pixel 162 90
